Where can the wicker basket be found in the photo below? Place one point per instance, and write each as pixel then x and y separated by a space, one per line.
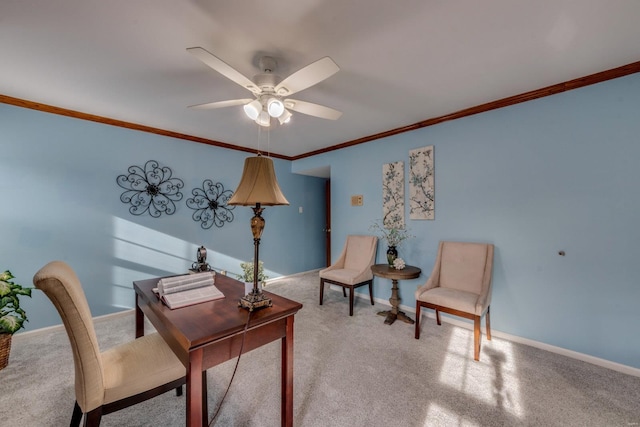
pixel 5 348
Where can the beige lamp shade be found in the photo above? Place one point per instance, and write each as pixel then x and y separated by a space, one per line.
pixel 258 184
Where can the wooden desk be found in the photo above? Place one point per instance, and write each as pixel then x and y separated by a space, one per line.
pixel 207 334
pixel 409 272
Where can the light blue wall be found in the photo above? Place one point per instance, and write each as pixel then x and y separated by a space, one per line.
pixel 555 174
pixel 558 173
pixel 61 201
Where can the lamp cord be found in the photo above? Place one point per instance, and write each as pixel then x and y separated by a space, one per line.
pixel 244 334
pixel 259 137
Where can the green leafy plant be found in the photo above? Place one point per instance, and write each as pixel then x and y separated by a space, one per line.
pixel 12 317
pixel 247 272
pixel 392 235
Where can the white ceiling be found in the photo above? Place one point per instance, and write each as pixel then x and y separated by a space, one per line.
pixel 401 61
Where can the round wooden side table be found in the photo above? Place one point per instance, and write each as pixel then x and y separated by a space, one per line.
pixel 384 270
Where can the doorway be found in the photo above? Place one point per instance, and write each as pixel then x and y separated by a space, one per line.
pixel 327 220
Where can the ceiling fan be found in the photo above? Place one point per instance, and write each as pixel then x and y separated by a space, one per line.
pixel 270 90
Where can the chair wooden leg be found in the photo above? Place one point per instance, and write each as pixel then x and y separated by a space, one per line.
pixel 418 321
pixel 92 418
pixel 76 417
pixel 488 321
pixel 179 391
pixel 344 292
pixel 371 291
pixel 351 292
pixel 321 290
pixel 438 318
pixel 476 338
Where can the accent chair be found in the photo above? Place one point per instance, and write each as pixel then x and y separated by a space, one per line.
pixel 460 284
pixel 352 269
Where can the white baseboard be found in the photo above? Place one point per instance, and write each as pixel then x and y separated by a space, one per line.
pixel 125 312
pixel 629 370
pixel 48 329
pixel 275 279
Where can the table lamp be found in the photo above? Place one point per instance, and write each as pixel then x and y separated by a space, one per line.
pixel 258 187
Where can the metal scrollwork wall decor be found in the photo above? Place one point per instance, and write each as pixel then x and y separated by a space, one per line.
pixel 150 189
pixel 210 204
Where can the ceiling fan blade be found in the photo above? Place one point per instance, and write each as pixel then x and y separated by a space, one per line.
pixel 221 104
pixel 223 68
pixel 312 109
pixel 307 76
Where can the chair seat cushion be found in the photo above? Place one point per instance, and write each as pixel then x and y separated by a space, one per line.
pixel 138 366
pixel 452 298
pixel 344 275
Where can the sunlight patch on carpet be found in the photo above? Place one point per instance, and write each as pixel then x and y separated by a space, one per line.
pixel 437 415
pixel 493 380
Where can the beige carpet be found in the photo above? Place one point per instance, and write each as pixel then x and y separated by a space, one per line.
pixel 349 371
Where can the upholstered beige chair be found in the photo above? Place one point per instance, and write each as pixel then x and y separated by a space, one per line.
pixel 460 284
pixel 353 268
pixel 118 377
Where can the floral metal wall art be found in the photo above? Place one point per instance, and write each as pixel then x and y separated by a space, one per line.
pixel 210 204
pixel 393 195
pixel 421 183
pixel 150 189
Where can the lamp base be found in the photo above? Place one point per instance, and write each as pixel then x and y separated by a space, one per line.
pixel 254 300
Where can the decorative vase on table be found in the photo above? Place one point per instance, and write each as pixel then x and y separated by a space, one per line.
pixel 392 254
pixel 248 287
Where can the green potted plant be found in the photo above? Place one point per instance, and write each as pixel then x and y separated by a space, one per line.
pixel 247 273
pixel 12 317
pixel 393 235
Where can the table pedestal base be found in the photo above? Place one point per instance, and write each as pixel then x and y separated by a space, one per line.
pixel 392 317
pixel 388 272
pixel 395 313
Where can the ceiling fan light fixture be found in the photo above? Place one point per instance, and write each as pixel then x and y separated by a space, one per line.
pixel 285 117
pixel 270 90
pixel 264 119
pixel 253 109
pixel 275 107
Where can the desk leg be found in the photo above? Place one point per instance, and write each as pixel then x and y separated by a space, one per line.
pixel 205 405
pixel 286 416
pixel 194 390
pixel 139 320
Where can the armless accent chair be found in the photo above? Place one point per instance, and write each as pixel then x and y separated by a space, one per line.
pixel 460 284
pixel 353 268
pixel 106 381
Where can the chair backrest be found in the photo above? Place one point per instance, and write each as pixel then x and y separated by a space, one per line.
pixel 60 283
pixel 360 252
pixel 466 266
